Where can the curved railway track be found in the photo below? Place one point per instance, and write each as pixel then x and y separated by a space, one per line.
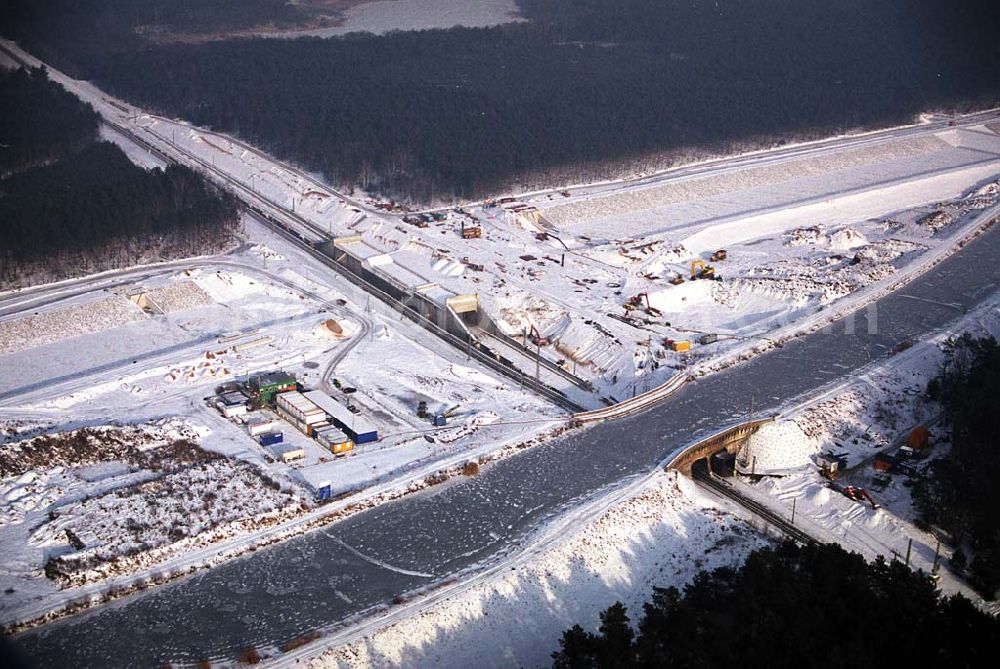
pixel 703 477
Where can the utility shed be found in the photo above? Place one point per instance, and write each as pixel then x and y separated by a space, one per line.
pixel 287 452
pixel 358 428
pixel 266 386
pixel 317 481
pixel 260 422
pixel 232 404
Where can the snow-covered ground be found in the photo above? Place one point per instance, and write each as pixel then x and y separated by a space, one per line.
pixel 382 16
pixel 97 357
pixel 8 63
pixel 666 529
pixel 104 500
pixel 661 535
pixel 871 414
pixel 136 154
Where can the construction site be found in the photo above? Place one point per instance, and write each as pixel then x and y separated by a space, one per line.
pixel 352 351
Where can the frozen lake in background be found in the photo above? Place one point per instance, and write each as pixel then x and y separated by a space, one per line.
pixel 384 15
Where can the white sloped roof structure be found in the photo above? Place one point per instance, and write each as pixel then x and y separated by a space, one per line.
pixel 778 448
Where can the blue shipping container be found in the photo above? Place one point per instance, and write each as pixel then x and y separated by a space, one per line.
pixel 270 438
pixel 362 437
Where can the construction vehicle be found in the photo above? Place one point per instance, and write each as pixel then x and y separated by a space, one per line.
pixel 536 337
pixel 831 464
pixel 422 409
pixel 718 255
pixel 440 419
pixel 474 266
pixel 677 280
pixel 699 270
pixel 471 231
pixel 635 302
pixel 678 346
pixel 859 495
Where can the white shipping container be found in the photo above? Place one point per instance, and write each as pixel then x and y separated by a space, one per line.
pixel 262 427
pixel 295 404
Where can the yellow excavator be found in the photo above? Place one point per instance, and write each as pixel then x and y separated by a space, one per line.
pixel 699 270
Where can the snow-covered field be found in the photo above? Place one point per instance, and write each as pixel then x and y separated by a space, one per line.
pixel 104 501
pixel 660 536
pixel 382 16
pixel 20 334
pixel 81 505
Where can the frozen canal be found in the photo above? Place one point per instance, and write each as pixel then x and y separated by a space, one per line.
pixel 320 579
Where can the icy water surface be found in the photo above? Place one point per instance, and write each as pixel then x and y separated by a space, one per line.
pixel 319 579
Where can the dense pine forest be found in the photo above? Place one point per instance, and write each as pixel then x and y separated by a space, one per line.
pixel 961 494
pixel 75 205
pixel 792 607
pixel 587 89
pixel 40 122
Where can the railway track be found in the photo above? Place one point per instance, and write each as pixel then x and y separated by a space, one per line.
pixel 703 477
pixel 274 221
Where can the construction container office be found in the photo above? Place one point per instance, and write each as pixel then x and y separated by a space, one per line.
pixel 334 440
pixel 266 386
pixel 260 422
pixel 300 412
pixel 359 429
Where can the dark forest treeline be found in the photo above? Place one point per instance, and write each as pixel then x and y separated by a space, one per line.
pixel 63 32
pixel 97 203
pixel 961 494
pixel 792 607
pixel 92 209
pixel 40 121
pixel 590 85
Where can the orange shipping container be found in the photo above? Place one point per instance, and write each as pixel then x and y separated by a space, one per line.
pixel 919 438
pixel 882 464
